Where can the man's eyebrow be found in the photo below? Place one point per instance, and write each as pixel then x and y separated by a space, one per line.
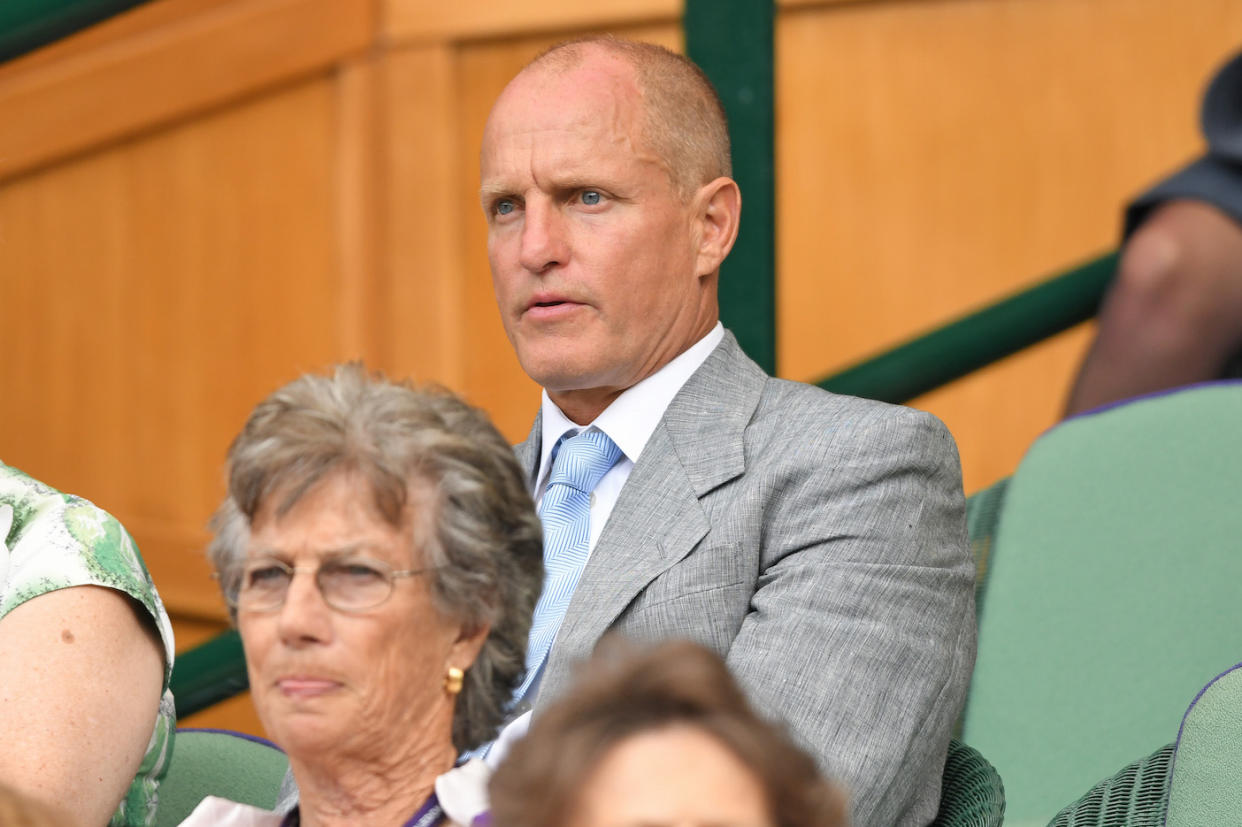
pixel 557 181
pixel 488 191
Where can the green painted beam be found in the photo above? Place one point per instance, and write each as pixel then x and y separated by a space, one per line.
pixel 981 338
pixel 732 40
pixel 25 25
pixel 209 673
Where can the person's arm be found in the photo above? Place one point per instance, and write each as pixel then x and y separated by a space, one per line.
pixel 82 675
pixel 1174 313
pixel 861 635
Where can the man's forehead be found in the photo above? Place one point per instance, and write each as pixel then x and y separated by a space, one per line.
pixel 589 65
pixel 556 118
pixel 597 89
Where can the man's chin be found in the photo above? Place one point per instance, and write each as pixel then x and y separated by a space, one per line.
pixel 578 387
pixel 556 374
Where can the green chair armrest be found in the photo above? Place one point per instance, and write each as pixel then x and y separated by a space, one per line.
pixel 971 793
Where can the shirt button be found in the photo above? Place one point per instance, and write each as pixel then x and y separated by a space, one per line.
pixel 592 499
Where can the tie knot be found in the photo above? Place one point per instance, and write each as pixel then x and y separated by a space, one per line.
pixel 582 460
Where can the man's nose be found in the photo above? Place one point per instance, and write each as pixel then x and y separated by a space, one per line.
pixel 544 244
pixel 304 617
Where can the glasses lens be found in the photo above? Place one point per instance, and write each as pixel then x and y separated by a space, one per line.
pixel 354 584
pixel 264 584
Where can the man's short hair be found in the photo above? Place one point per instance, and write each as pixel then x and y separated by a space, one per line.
pixel 684 120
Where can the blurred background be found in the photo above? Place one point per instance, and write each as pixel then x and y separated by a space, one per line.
pixel 201 199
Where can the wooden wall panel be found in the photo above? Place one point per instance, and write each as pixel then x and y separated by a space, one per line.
pixel 165 61
pixel 154 292
pixel 934 155
pixel 426 312
pixel 361 217
pixel 473 19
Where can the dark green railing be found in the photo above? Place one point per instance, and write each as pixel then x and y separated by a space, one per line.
pixel 978 339
pixel 25 25
pixel 209 673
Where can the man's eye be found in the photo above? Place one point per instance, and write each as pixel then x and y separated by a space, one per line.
pixel 504 206
pixel 591 197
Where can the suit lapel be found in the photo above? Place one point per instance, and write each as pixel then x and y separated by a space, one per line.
pixel 659 518
pixel 528 451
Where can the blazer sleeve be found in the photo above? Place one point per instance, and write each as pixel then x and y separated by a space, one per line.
pixel 861 630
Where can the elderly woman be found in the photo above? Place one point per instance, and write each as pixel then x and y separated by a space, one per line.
pixel 659 738
pixel 382 557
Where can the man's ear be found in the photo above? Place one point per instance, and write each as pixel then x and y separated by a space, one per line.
pixel 718 209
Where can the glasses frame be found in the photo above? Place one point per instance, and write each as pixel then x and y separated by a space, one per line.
pixel 391 575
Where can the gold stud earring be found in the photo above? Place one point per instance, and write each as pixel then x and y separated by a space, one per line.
pixel 452 680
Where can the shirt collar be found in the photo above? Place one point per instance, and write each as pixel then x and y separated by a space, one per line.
pixel 632 417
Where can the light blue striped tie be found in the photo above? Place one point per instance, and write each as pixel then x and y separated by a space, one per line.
pixel 578 464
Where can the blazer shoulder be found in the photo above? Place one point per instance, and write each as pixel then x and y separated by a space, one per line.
pixel 798 401
pixel 822 426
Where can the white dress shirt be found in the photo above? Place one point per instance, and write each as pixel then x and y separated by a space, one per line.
pixel 629 422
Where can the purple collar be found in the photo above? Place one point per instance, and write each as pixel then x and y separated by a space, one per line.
pixel 428 815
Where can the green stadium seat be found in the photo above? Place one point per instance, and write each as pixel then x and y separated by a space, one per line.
pixel 1111 588
pixel 221 763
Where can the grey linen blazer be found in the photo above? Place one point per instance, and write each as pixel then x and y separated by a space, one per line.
pixel 818 543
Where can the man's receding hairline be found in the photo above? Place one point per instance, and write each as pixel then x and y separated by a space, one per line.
pixel 643 59
pixel 569 54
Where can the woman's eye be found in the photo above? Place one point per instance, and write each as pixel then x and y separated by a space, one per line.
pixel 354 572
pixel 591 197
pixel 266 577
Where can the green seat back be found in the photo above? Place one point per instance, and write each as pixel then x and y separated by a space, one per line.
pixel 1112 592
pixel 220 763
pixel 1191 783
pixel 1206 785
pixel 983 510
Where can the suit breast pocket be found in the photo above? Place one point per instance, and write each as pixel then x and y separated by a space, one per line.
pixel 704 597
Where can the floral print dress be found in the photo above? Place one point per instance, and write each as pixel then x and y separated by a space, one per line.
pixel 50 541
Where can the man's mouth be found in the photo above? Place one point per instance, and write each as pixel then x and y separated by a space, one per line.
pixel 551 308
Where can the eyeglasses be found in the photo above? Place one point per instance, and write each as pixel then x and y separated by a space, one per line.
pixel 349 585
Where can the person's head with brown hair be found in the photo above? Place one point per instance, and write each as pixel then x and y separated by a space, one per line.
pixel 656 737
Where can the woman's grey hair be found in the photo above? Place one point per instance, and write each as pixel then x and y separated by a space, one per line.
pixel 485 540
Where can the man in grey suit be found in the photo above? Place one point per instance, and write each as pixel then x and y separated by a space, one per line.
pixel 816 541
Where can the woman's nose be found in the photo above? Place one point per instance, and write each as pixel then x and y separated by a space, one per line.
pixel 304 616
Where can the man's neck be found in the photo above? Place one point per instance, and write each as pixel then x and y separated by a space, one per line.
pixel 582 407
